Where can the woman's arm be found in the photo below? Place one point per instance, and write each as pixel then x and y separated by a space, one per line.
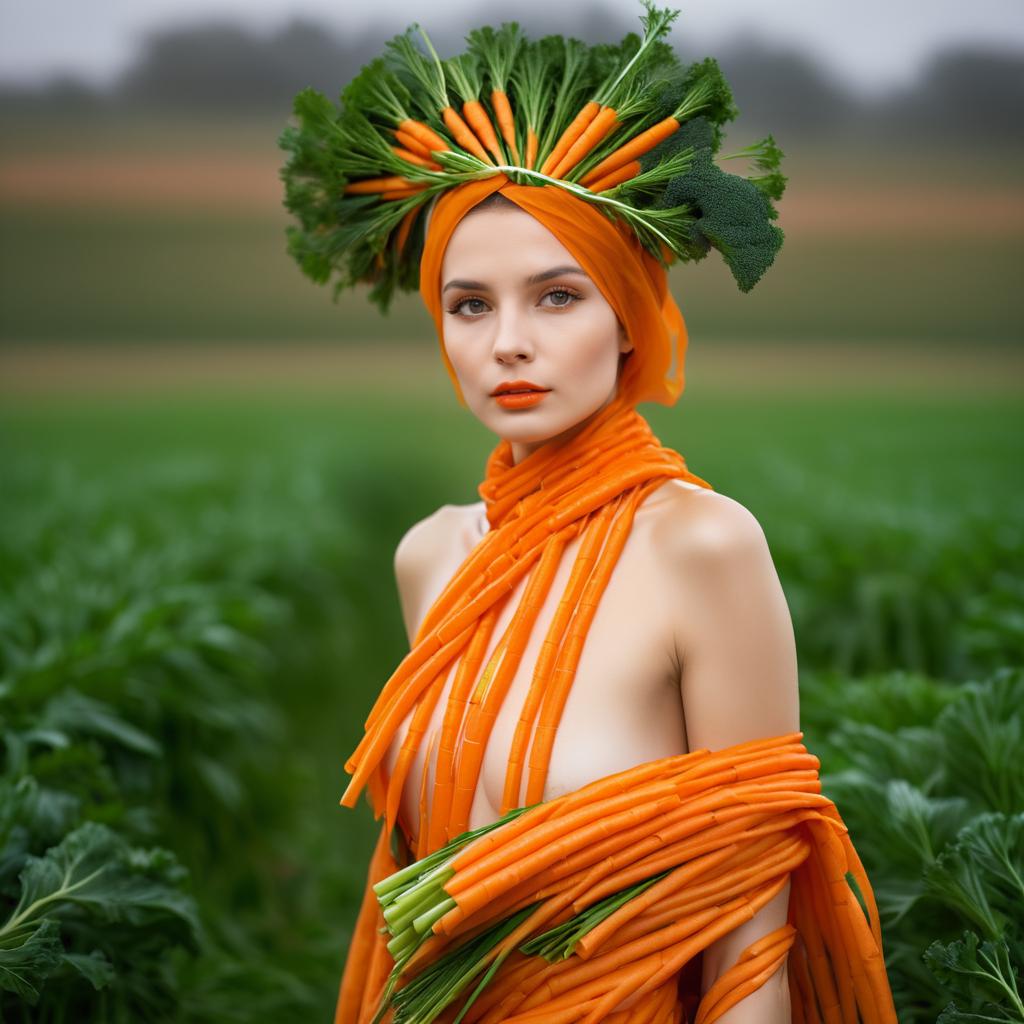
pixel 738 678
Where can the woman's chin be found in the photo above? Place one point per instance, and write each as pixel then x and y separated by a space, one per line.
pixel 519 429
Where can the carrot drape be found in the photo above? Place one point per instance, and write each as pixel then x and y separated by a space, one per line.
pixel 739 823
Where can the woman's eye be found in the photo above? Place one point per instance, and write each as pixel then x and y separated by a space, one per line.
pixel 568 296
pixel 458 307
pixel 472 306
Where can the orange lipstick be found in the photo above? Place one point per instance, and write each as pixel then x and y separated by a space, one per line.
pixel 518 394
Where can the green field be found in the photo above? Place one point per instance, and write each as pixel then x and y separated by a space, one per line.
pixel 197 606
pixel 217 571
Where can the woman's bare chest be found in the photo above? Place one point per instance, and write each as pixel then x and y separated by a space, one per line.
pixel 623 707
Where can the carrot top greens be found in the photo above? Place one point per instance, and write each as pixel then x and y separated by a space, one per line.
pixel 605 122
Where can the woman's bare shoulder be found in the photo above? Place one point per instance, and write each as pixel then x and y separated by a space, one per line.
pixel 431 538
pixel 692 520
pixel 428 553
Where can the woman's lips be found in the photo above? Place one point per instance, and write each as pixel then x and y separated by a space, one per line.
pixel 519 399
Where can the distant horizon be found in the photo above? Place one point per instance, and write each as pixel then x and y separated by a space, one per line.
pixel 96 43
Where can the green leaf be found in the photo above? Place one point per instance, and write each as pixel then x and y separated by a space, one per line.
pixel 74 713
pixel 981 978
pixel 94 967
pixel 984 732
pixel 94 869
pixel 27 957
pixel 981 874
pixel 958 881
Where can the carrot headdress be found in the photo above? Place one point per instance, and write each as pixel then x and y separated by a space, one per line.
pixel 625 127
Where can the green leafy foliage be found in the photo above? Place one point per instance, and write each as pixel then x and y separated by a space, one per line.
pixel 934 809
pixel 90 880
pixel 983 978
pixel 142 757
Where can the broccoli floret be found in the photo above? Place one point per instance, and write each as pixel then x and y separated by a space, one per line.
pixel 734 216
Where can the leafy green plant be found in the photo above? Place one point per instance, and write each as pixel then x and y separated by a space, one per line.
pixel 935 812
pixel 88 881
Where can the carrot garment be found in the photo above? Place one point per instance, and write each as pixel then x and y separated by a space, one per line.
pixel 718 833
pixel 588 486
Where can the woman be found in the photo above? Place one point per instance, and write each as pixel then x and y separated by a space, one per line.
pixel 712 599
pixel 603 640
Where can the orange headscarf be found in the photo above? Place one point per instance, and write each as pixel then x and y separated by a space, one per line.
pixel 630 278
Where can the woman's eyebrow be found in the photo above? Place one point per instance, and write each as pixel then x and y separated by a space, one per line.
pixel 544 275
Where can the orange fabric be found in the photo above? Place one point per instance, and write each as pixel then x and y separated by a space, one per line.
pixel 750 817
pixel 630 278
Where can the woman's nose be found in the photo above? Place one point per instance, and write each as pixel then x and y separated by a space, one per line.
pixel 512 340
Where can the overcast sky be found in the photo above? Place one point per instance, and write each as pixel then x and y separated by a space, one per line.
pixel 870 44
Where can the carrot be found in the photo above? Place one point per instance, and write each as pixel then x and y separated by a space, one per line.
pixel 413 158
pixel 638 960
pixel 801 987
pixel 741 980
pixel 506 122
pixel 614 784
pixel 471 896
pixel 411 143
pixel 616 177
pixel 421 831
pixel 478 119
pixel 819 969
pixel 566 828
pixel 565 667
pixel 842 978
pixel 420 720
pixel 402 235
pixel 601 125
pixel 374 743
pixel 632 150
pixel 370 185
pixel 425 135
pixel 866 966
pixel 489 575
pixel 594 533
pixel 531 149
pixel 576 128
pixel 483 711
pixel 706 842
pixel 726 920
pixel 721 882
pixel 596 986
pixel 469 666
pixel 599 934
pixel 463 134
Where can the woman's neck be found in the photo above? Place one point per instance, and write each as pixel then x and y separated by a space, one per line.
pixel 522 449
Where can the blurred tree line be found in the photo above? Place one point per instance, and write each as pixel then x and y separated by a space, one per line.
pixel 219 66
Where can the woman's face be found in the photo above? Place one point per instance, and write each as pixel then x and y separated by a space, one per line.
pixel 519 307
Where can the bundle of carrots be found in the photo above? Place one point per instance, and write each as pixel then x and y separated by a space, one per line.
pixel 591 488
pixel 598 121
pixel 562 911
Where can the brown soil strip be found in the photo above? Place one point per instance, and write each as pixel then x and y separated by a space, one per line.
pixel 113 371
pixel 239 183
